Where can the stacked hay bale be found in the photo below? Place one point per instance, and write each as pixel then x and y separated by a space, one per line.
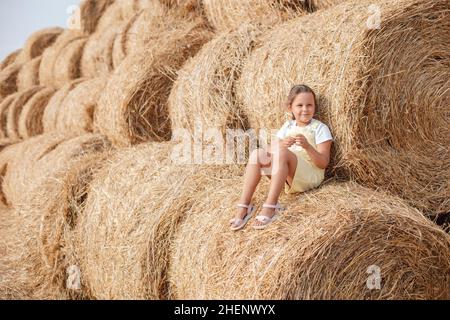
pixel 28 75
pixel 341 241
pixel 205 87
pixel 10 58
pixel 89 15
pixel 30 118
pixel 76 111
pixel 19 70
pixel 49 256
pixel 51 111
pixel 230 14
pixel 8 79
pixel 38 42
pixel 133 107
pixel 42 156
pixel 140 29
pixel 46 182
pixel 371 92
pixel 131 216
pixel 61 62
pixel 15 108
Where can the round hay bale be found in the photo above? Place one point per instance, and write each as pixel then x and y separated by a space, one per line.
pixel 51 111
pixel 75 114
pixel 43 156
pixel 67 66
pixel 131 7
pixel 230 14
pixel 205 87
pixel 49 222
pixel 30 119
pixel 9 59
pixel 144 28
pixel 54 54
pixel 328 244
pixel 28 75
pixel 14 110
pixel 120 50
pixel 185 8
pixel 38 42
pixel 133 106
pixel 112 15
pixel 370 91
pixel 91 12
pixel 314 5
pixel 136 204
pixel 20 158
pixel 4 109
pixel 97 59
pixel 8 79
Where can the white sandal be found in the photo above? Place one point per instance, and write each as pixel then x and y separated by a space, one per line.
pixel 240 223
pixel 268 220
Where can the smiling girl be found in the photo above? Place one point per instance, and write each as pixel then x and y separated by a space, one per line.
pixel 297 160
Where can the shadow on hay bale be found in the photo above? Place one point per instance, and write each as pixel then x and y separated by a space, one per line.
pixel 382 91
pixel 133 108
pixel 328 244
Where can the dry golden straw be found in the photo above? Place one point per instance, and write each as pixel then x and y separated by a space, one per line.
pixel 38 42
pixel 97 59
pixel 76 112
pixel 372 86
pixel 65 53
pixel 49 218
pixel 52 109
pixel 133 106
pixel 28 76
pixel 30 119
pixel 329 243
pixel 43 156
pixel 9 59
pixel 4 109
pixel 14 110
pixel 230 14
pixel 204 91
pixel 135 205
pixel 8 79
pixel 91 12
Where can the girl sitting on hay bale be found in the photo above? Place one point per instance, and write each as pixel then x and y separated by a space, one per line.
pixel 299 159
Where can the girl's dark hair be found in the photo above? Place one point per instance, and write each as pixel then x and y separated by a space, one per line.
pixel 295 90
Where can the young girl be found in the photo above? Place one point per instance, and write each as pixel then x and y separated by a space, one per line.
pixel 298 160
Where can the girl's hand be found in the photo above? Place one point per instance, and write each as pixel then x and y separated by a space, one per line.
pixel 289 141
pixel 302 142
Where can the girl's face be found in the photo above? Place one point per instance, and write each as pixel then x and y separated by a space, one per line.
pixel 303 107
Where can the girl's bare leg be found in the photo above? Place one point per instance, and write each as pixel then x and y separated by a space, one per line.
pixel 283 168
pixel 259 159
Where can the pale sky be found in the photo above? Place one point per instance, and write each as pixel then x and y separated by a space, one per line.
pixel 20 18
